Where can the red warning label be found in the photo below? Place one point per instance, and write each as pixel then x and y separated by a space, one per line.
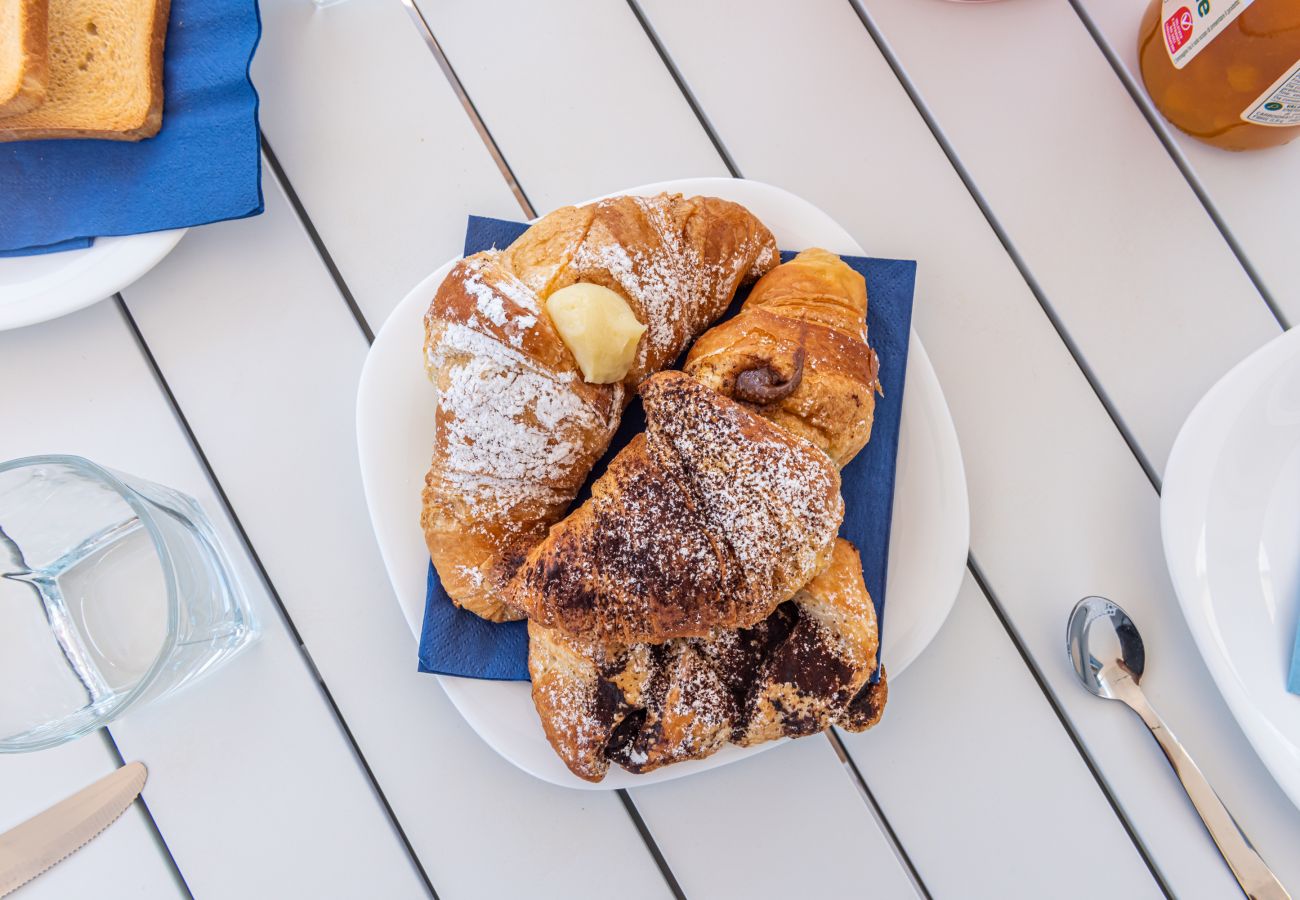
pixel 1178 29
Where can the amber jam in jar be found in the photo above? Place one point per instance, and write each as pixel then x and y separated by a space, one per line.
pixel 1225 71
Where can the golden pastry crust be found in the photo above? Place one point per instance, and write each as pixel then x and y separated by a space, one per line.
pixel 708 520
pixel 518 430
pixel 805 667
pixel 809 677
pixel 797 353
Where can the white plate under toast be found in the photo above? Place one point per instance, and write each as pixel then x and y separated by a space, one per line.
pixel 931 526
pixel 36 288
pixel 1230 519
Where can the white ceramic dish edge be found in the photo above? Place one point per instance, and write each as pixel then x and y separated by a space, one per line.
pixel 1185 504
pixel 38 288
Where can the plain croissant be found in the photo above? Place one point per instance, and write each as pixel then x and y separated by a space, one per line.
pixel 797 354
pixel 517 428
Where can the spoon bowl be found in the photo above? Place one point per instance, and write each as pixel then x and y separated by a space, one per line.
pixel 1104 645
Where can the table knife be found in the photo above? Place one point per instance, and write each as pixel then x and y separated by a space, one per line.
pixel 50 837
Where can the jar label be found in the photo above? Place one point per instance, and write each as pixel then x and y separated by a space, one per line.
pixel 1280 102
pixel 1188 26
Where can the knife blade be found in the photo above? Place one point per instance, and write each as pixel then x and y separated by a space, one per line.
pixel 50 837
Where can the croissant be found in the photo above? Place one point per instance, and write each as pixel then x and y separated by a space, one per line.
pixel 708 520
pixel 805 667
pixel 517 428
pixel 796 354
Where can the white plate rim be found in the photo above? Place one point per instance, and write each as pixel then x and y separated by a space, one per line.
pixel 925 406
pixel 1185 492
pixel 87 276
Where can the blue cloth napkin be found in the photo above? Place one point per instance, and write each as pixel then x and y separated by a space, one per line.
pixel 455 642
pixel 203 166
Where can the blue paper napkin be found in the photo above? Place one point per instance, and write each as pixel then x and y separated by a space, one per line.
pixel 455 642
pixel 203 166
pixel 57 247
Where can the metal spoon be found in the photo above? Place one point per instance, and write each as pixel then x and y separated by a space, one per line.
pixel 1108 657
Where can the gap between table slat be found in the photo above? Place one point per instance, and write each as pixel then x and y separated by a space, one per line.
pixel 111 743
pixel 1021 266
pixel 274 595
pixel 1154 119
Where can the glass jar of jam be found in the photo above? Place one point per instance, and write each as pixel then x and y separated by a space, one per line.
pixel 1225 71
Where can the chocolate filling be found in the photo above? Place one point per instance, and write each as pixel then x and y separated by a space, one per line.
pixel 765 384
pixel 865 709
pixel 622 739
pixel 783 648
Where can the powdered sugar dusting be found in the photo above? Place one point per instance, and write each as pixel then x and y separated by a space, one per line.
pixel 766 259
pixel 509 426
pixel 676 288
pixel 472 575
pixel 490 296
pixel 771 495
pixel 714 519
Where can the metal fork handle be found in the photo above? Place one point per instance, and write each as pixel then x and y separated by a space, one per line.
pixel 1256 879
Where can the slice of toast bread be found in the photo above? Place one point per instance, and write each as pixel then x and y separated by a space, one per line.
pixel 23 67
pixel 106 73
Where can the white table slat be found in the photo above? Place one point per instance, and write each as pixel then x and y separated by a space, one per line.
pixel 1089 199
pixel 1059 510
pixel 288 343
pixel 604 112
pixel 255 747
pixel 639 145
pixel 1252 192
pixel 374 140
pixel 971 766
pixel 754 807
pixel 124 861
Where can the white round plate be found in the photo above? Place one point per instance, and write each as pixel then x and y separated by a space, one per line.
pixel 36 288
pixel 931 527
pixel 1230 519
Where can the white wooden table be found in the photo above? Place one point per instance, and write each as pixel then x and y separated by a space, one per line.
pixel 1007 148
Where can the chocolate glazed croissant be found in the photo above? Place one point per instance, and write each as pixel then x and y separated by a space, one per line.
pixel 805 667
pixel 707 520
pixel 517 427
pixel 797 355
